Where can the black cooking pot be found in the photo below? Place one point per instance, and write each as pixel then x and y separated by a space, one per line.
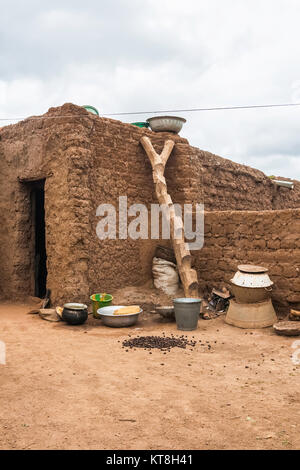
pixel 75 314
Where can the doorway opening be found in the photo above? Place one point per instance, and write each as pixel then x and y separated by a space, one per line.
pixel 39 229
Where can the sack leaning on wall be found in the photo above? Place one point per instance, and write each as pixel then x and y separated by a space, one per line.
pixel 165 276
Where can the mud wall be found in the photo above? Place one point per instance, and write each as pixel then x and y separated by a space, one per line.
pixel 270 238
pixel 87 161
pixel 31 151
pixel 121 168
pixel 231 186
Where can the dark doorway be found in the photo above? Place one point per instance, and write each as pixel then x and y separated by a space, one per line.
pixel 40 261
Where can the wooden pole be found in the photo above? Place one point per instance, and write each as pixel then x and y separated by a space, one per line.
pixel 188 275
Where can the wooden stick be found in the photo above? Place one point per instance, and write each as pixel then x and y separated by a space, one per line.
pixel 158 162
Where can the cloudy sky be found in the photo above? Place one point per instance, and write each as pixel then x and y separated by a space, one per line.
pixel 134 55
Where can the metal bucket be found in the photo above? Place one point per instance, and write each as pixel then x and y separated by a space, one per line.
pixel 187 311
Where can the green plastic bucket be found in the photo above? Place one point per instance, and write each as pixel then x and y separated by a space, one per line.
pixel 98 303
pixel 187 311
pixel 140 124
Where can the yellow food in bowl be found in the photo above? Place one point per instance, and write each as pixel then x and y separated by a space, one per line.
pixel 127 310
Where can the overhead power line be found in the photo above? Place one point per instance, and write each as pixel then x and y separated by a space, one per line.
pixel 220 108
pixel 190 110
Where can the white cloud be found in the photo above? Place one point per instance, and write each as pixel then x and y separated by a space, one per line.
pixel 127 55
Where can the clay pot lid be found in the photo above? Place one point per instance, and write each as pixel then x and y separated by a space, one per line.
pixel 252 269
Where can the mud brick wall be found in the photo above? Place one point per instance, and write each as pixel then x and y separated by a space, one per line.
pixel 29 151
pixel 85 161
pixel 231 186
pixel 121 168
pixel 269 238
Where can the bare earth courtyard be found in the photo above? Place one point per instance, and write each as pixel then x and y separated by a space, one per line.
pixel 67 387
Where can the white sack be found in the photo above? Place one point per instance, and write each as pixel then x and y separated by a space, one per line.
pixel 165 276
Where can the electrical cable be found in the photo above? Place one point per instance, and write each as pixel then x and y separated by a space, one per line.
pixel 219 108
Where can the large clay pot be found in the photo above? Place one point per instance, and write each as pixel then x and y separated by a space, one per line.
pixel 250 295
pixel 251 284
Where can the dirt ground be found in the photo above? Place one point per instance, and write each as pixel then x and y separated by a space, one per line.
pixel 67 387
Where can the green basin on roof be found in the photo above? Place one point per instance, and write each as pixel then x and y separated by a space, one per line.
pixel 140 124
pixel 91 109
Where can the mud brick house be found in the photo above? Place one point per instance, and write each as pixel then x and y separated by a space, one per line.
pixel 57 169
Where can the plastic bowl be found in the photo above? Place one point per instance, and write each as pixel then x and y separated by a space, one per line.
pixel 141 124
pixel 98 303
pixel 91 109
